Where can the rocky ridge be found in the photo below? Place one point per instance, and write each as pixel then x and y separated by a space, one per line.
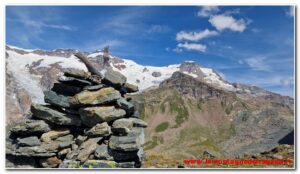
pixel 85 123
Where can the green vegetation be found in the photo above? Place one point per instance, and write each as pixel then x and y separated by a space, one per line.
pixel 177 106
pixel 162 127
pixel 153 143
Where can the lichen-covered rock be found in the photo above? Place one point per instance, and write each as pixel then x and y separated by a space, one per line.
pixel 50 162
pixel 54 116
pixel 46 137
pixel 29 141
pixel 99 164
pixel 99 130
pixel 114 78
pixel 122 126
pixel 90 116
pixel 127 106
pixel 30 127
pixel 69 164
pixel 102 96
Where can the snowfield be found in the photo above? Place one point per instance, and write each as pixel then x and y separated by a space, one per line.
pixel 142 76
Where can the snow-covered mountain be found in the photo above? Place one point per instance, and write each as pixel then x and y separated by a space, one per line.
pixel 21 63
pixel 34 71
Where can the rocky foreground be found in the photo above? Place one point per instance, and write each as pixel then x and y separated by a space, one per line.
pixel 86 123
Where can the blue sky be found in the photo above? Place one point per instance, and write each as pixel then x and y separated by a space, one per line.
pixel 245 44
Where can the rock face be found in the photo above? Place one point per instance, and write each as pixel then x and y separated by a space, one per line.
pixel 93 115
pixel 30 127
pixel 86 124
pixel 54 116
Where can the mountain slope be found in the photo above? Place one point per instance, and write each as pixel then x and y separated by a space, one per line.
pixel 188 117
pixel 190 109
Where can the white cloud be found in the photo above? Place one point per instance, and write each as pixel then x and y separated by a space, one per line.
pixel 195 36
pixel 291 11
pixel 158 29
pixel 207 11
pixel 258 63
pixel 177 50
pixel 222 22
pixel 192 46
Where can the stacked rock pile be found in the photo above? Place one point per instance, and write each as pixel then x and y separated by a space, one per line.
pixel 85 123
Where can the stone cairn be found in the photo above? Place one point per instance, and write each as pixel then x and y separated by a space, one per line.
pixel 86 123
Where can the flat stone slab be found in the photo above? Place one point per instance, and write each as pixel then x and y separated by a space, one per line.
pixel 102 96
pixel 54 116
pixel 90 116
pixel 30 127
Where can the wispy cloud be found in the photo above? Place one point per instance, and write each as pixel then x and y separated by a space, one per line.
pixel 39 25
pixel 192 46
pixel 258 63
pixel 195 36
pixel 223 22
pixel 29 23
pixel 158 29
pixel 207 11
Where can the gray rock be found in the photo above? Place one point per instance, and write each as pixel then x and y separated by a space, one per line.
pixel 74 81
pixel 129 142
pixel 29 141
pixel 69 164
pixel 156 74
pixel 114 78
pixel 80 139
pixel 102 96
pixel 76 73
pixel 131 88
pixel 270 128
pixel 64 152
pixel 90 116
pixel 138 122
pixel 50 162
pixel 126 164
pixel 122 126
pixel 127 106
pixel 30 127
pixel 87 148
pixel 94 88
pixel 34 151
pixel 102 152
pixel 48 136
pixel 55 99
pixel 54 116
pixel 99 130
